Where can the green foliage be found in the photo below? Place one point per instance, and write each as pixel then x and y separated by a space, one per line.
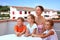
pixel 4 8
pixel 58 12
pixel 4 16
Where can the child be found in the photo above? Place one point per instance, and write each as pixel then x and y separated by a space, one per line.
pixel 20 28
pixel 50 33
pixel 31 27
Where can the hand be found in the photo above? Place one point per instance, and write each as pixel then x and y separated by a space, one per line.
pixel 27 35
pixel 34 35
pixel 19 34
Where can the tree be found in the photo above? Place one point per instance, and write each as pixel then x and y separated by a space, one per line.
pixel 4 8
pixel 58 12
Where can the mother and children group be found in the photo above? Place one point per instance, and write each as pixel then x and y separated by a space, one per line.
pixel 36 27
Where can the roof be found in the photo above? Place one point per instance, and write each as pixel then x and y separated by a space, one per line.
pixel 23 8
pixel 30 9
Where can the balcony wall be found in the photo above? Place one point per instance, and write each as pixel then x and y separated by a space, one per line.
pixel 7 27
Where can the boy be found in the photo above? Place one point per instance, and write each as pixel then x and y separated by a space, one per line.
pixel 20 28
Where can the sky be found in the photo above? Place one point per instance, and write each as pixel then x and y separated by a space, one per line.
pixel 49 4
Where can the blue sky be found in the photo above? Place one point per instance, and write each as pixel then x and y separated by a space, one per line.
pixel 50 4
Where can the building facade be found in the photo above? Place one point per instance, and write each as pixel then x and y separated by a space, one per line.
pixel 17 11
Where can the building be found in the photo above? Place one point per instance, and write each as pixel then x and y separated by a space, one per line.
pixel 4 15
pixel 49 14
pixel 18 11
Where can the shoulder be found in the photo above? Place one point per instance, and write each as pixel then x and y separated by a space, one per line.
pixel 24 27
pixel 28 25
pixel 15 27
pixel 48 33
pixel 35 26
pixel 51 32
pixel 43 19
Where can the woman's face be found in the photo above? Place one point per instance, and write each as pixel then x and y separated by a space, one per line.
pixel 47 25
pixel 38 11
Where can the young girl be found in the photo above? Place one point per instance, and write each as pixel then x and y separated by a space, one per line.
pixel 20 28
pixel 31 27
pixel 50 33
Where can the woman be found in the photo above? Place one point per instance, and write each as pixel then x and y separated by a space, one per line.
pixel 39 19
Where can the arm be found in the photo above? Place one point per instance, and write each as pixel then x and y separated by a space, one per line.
pixel 34 32
pixel 46 35
pixel 27 33
pixel 15 29
pixel 24 30
pixel 17 33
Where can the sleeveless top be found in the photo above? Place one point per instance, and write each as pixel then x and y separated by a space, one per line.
pixel 39 28
pixel 39 25
pixel 51 37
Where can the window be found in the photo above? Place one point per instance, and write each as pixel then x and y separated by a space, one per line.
pixel 25 17
pixel 20 12
pixel 45 12
pixel 13 18
pixel 13 13
pixel 46 15
pixel 29 12
pixel 25 12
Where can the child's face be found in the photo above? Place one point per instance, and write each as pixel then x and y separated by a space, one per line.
pixel 47 25
pixel 29 19
pixel 19 22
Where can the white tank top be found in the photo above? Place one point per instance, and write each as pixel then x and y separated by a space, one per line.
pixel 52 37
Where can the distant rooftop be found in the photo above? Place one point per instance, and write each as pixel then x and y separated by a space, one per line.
pixel 23 8
pixel 31 9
